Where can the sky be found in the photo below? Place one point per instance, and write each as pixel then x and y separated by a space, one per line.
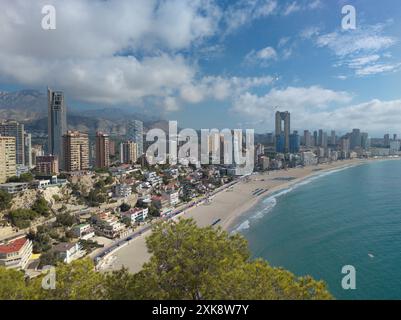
pixel 214 63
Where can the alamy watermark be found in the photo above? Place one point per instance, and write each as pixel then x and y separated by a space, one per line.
pixel 349 20
pixel 216 147
pixel 348 282
pixel 49 280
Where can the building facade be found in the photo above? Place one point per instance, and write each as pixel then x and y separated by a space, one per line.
pixel 8 167
pixel 76 151
pixel 57 123
pixel 47 165
pixel 283 131
pixel 14 129
pixel 128 152
pixel 16 253
pixel 135 134
pixel 102 150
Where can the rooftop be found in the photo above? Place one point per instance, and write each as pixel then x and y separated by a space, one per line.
pixel 13 246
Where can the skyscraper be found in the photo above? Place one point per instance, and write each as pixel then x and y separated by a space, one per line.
pixel 7 158
pixel 307 138
pixel 333 138
pixel 320 138
pixel 76 151
pixel 57 123
pixel 28 150
pixel 356 139
pixel 11 128
pixel 102 157
pixel 282 131
pixel 135 134
pixel 295 142
pixel 365 140
pixel 387 140
pixel 315 138
pixel 128 152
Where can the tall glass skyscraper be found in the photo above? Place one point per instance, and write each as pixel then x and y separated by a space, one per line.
pixel 282 131
pixel 135 134
pixel 57 123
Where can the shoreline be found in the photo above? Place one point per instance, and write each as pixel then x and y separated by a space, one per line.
pixel 230 206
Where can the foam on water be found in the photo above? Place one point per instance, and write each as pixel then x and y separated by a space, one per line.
pixel 270 201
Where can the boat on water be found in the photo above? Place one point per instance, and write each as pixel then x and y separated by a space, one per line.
pixel 371 255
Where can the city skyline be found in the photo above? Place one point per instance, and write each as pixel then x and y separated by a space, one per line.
pixel 237 60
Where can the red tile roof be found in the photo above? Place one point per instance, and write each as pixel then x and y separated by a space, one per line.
pixel 13 246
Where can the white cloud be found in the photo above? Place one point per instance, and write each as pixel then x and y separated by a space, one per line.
pixel 291 8
pixel 298 99
pixel 316 107
pixel 262 57
pixel 244 12
pixel 363 39
pixel 360 50
pixel 378 68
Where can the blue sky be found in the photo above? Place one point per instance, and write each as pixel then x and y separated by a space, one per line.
pixel 210 63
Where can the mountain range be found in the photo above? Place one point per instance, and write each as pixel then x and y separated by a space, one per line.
pixel 30 107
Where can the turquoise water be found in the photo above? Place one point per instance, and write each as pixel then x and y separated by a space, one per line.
pixel 333 220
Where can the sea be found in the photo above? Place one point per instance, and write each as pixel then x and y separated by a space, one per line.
pixel 345 217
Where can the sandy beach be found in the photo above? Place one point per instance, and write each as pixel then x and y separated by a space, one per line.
pixel 229 205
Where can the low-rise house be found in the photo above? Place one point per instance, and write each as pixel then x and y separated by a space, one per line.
pixel 14 187
pixel 135 215
pixel 122 190
pixel 107 225
pixel 16 253
pixel 160 203
pixel 172 197
pixel 83 231
pixel 67 252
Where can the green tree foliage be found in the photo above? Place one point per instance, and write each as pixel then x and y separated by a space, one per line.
pixel 108 180
pixel 187 262
pixel 5 200
pixel 12 285
pixel 49 258
pixel 41 207
pixel 204 263
pixel 95 198
pixel 66 219
pixel 75 281
pixel 125 207
pixel 41 239
pixel 24 177
pixel 21 218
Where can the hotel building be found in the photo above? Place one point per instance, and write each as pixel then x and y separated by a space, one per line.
pixel 76 151
pixel 102 150
pixel 7 158
pixel 16 253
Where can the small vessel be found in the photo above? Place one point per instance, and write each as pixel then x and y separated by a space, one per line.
pixel 371 255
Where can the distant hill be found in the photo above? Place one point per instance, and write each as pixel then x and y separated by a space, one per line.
pixel 30 107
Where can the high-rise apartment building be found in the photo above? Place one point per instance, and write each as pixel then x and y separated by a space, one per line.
pixel 47 165
pixel 135 134
pixel 387 140
pixel 11 128
pixel 7 158
pixel 28 150
pixel 282 131
pixel 128 152
pixel 57 123
pixel 295 142
pixel 356 139
pixel 102 150
pixel 307 138
pixel 333 138
pixel 76 151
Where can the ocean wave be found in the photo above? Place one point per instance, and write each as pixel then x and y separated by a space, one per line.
pixel 243 226
pixel 271 201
